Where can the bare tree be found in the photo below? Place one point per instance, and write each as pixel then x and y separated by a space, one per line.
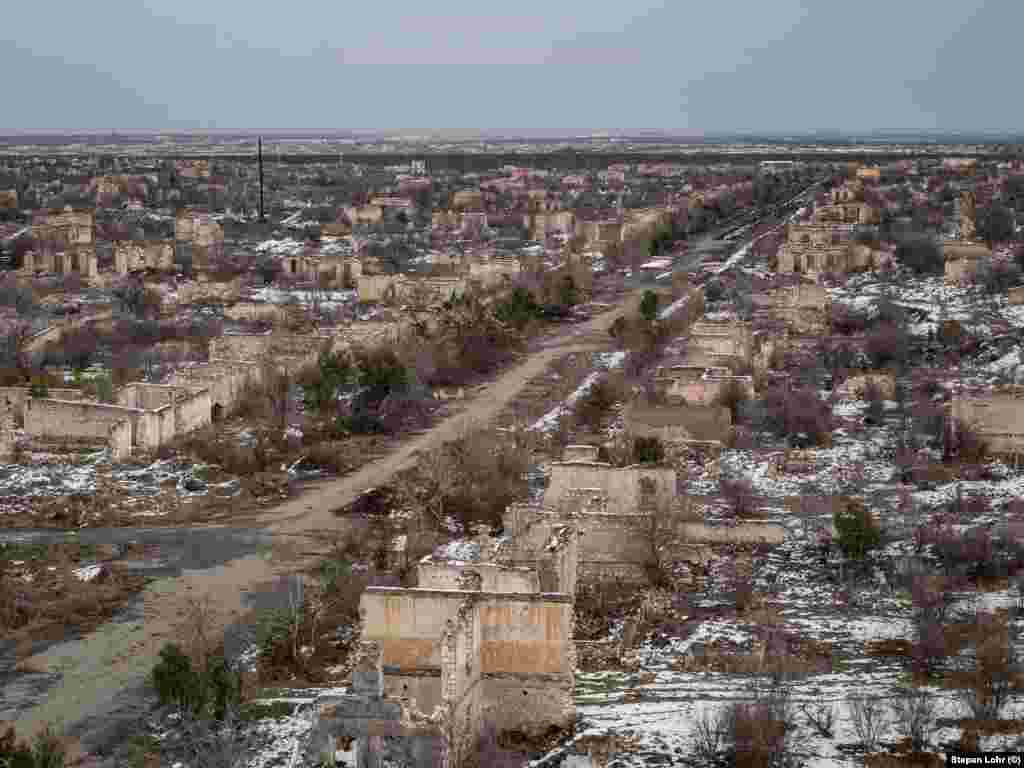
pixel 868 718
pixel 916 715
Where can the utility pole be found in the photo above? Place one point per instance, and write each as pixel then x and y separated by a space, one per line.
pixel 260 153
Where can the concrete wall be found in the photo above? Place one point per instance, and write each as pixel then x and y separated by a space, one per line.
pixel 621 485
pixel 998 417
pixel 726 338
pixel 494 577
pixel 16 397
pixel 746 532
pixel 528 704
pixel 64 418
pixel 252 311
pixel 461 684
pixel 675 423
pixel 226 381
pixel 522 634
pixel 178 410
pixel 703 391
pixel 617 546
pixel 603 538
pixel 131 255
pixel 855 385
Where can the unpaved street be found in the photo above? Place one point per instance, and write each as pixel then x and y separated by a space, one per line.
pixel 95 672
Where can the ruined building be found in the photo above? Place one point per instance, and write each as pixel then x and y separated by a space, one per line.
pixel 812 249
pixel 205 235
pixel 997 417
pixel 142 255
pixel 964 256
pixel 63 241
pixel 621 513
pixel 804 308
pixel 145 416
pixel 473 648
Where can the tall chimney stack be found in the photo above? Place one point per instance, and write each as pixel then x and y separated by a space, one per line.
pixel 260 149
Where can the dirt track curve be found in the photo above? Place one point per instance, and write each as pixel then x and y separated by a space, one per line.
pixel 119 655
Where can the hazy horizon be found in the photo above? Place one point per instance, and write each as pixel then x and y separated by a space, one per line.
pixel 788 67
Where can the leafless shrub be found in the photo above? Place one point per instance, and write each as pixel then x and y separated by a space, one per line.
pixel 214 743
pixel 915 713
pixel 821 717
pixel 759 732
pixel 709 740
pixel 869 722
pixel 996 670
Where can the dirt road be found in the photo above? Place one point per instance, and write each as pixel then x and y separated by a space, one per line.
pixel 97 669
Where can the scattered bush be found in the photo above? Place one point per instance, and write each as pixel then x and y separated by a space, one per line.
pixel 888 344
pixel 648 450
pixel 856 529
pixel 741 498
pixel 995 676
pixel 876 403
pixel 758 733
pixel 46 751
pixel 649 306
pixel 596 406
pixel 797 414
pixel 203 693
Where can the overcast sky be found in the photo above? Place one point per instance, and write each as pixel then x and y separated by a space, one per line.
pixel 542 66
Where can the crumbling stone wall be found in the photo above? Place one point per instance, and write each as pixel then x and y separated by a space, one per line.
pixel 121 428
pixel 968 215
pixel 377 730
pixel 962 260
pixel 14 398
pixel 672 423
pixel 855 385
pixel 624 487
pixel 7 435
pixel 132 255
pixel 401 288
pixel 997 417
pixel 187 408
pixel 467 199
pixel 495 577
pixel 525 642
pixel 606 543
pixel 462 684
pixel 724 338
pixel 295 350
pixel 541 224
pixel 226 380
pixel 702 390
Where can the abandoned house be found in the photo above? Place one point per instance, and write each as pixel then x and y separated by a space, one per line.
pixel 145 416
pixel 474 647
pixel 963 259
pixel 812 249
pixel 621 513
pixel 142 255
pixel 63 241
